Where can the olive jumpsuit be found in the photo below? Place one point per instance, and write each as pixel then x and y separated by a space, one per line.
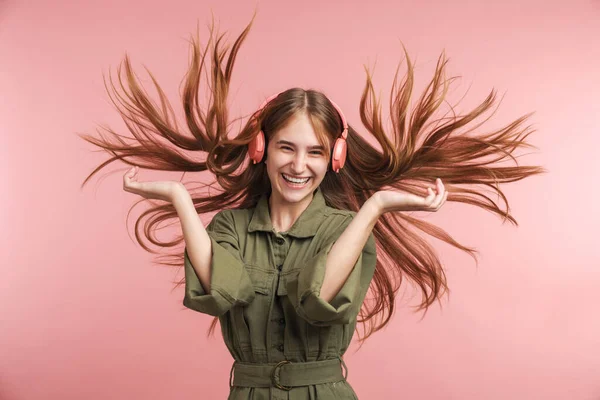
pixel 287 342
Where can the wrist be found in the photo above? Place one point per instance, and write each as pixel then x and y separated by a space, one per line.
pixel 373 207
pixel 180 195
pixel 376 204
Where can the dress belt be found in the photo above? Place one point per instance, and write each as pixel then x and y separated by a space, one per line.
pixel 285 375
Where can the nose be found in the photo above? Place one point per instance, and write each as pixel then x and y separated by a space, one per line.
pixel 299 163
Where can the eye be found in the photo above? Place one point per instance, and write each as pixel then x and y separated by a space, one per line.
pixel 286 148
pixel 316 152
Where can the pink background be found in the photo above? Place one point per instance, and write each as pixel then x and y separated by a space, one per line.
pixel 85 314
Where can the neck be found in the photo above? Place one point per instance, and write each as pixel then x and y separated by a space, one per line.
pixel 284 214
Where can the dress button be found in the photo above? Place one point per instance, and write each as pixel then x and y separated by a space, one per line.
pixel 282 321
pixel 280 267
pixel 280 348
pixel 280 240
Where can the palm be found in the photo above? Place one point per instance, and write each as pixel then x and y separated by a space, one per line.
pixel 159 190
pixel 392 200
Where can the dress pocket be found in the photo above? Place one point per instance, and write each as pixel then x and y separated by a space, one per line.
pixel 262 279
pixel 284 278
pixel 250 322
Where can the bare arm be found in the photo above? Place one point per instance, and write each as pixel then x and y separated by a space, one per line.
pixel 345 251
pixel 197 241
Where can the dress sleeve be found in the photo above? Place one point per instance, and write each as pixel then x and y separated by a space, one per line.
pixel 229 280
pixel 304 290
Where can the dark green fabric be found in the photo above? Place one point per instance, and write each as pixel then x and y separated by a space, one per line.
pixel 288 375
pixel 265 286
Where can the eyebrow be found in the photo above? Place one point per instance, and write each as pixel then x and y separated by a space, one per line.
pixel 319 147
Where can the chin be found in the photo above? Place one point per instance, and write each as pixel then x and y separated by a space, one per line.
pixel 295 195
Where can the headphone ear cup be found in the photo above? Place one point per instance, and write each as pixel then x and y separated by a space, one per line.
pixel 338 158
pixel 256 148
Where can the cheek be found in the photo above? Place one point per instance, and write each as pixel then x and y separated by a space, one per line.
pixel 320 167
pixel 273 163
pixel 271 170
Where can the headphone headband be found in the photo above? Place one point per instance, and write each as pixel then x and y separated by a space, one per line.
pixel 337 108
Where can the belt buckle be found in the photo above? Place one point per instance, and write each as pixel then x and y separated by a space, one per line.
pixel 275 376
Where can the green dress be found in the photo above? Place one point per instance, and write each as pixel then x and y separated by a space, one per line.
pixel 265 289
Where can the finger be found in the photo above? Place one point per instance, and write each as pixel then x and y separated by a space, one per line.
pixel 441 190
pixel 440 194
pixel 439 186
pixel 435 204
pixel 443 200
pixel 130 180
pixel 430 197
pixel 444 194
pixel 130 174
pixel 440 198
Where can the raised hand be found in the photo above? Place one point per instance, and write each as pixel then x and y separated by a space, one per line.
pixel 392 200
pixel 160 190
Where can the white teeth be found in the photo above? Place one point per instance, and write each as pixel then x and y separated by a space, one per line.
pixel 295 180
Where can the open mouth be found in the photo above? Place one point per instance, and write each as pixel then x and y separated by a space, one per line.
pixel 295 181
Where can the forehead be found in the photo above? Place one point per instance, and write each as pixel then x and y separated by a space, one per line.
pixel 299 130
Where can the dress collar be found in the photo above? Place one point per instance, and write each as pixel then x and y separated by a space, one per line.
pixel 305 226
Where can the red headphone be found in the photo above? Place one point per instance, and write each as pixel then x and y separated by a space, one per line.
pixel 256 148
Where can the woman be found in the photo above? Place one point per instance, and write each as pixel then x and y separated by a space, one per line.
pixel 309 213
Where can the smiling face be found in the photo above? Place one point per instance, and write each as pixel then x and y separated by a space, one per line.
pixel 296 162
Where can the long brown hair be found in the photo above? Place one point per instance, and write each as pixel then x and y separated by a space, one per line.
pixel 419 149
